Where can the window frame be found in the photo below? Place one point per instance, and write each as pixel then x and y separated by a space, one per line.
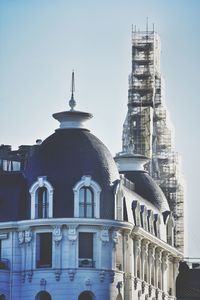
pixel 86 181
pixel 40 183
pixel 85 203
pixel 38 249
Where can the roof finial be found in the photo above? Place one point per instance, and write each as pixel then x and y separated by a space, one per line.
pixel 72 102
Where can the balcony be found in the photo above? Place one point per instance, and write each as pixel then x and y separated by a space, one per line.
pixel 86 263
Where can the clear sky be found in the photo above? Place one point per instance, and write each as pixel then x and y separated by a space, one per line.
pixel 42 41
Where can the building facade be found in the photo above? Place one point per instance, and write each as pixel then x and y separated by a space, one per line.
pixel 77 224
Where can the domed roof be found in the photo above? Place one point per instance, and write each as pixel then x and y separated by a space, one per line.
pixel 64 158
pixel 146 187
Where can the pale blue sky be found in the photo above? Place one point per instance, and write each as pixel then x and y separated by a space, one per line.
pixel 42 41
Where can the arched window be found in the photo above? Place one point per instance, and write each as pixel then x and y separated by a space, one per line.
pixel 87 198
pixel 41 199
pixel 86 202
pixel 42 203
pixel 170 230
pixel 86 296
pixel 43 296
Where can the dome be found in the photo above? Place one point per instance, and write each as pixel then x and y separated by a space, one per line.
pixel 132 166
pixel 147 188
pixel 66 156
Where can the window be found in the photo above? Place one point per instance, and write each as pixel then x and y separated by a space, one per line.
pixel 44 250
pixel 170 230
pixel 41 199
pixel 43 296
pixel 86 296
pixel 86 250
pixel 87 198
pixel 86 203
pixel 42 204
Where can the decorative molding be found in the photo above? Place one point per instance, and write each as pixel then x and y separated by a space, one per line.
pixel 126 236
pixel 23 276
pixel 28 236
pixel 57 274
pixel 57 234
pixel 176 266
pixel 88 283
pixel 21 237
pixel 135 283
pixel 150 290
pixel 144 249
pixel 105 235
pixel 115 236
pixel 43 283
pixel 151 254
pixel 165 256
pixel 71 274
pixel 72 233
pixel 157 294
pixel 163 296
pixel 29 275
pixel 143 287
pixel 102 275
pixel 137 245
pixel 158 256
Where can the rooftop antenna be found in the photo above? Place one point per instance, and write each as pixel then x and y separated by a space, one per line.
pixel 72 102
pixel 153 27
pixel 147 25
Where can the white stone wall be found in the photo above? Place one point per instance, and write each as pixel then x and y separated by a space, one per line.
pixel 119 249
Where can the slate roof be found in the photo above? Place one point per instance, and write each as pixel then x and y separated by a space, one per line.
pixel 13 203
pixel 147 188
pixel 64 158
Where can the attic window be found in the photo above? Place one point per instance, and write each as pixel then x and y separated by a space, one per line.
pixel 87 198
pixel 42 203
pixel 41 199
pixel 86 203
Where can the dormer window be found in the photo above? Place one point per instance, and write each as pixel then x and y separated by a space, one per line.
pixel 86 202
pixel 42 203
pixel 170 230
pixel 41 199
pixel 86 198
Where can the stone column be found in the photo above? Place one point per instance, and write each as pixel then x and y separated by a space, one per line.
pixel 151 262
pixel 144 259
pixel 137 251
pixel 72 237
pixel 164 270
pixel 57 238
pixel 29 254
pixel 158 261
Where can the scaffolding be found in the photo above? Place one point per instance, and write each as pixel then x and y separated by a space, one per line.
pixel 147 130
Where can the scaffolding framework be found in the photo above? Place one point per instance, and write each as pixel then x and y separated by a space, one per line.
pixel 147 130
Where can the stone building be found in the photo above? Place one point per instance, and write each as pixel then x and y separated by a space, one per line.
pixel 77 224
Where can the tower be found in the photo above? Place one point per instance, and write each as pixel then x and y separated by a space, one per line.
pixel 147 130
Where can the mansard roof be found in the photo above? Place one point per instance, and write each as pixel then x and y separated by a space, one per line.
pixel 147 188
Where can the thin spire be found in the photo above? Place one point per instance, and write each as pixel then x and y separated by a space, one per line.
pixel 72 102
